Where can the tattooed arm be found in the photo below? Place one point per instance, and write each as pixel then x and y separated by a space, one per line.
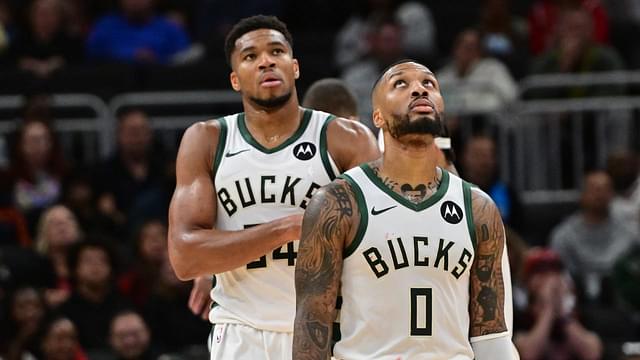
pixel 330 221
pixel 490 284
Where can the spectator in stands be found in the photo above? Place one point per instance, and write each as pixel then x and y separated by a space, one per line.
pixel 138 283
pixel 136 34
pixel 550 328
pixel 575 52
pixel 624 169
pixel 57 232
pixel 165 312
pixel 93 302
pixel 504 35
pixel 131 183
pixel 332 96
pixel 59 340
pixel 130 338
pixel 474 82
pixel 545 21
pixel 385 48
pixel 26 311
pixel 46 45
pixel 592 240
pixel 80 197
pixel 37 169
pixel 417 38
pixel 479 165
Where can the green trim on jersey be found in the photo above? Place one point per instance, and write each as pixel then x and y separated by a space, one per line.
pixel 222 141
pixel 442 189
pixel 364 216
pixel 246 135
pixel 468 209
pixel 324 151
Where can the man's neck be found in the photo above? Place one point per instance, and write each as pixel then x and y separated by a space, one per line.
pixel 410 169
pixel 272 127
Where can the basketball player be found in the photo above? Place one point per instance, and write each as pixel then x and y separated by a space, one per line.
pixel 333 96
pixel 243 182
pixel 419 254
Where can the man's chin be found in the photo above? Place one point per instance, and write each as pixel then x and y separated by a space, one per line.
pixel 273 101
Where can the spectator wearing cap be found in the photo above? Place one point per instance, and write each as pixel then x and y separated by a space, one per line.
pixel 550 328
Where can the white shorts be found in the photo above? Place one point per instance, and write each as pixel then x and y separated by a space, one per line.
pixel 237 341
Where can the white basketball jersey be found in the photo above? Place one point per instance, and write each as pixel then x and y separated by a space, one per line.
pixel 405 280
pixel 255 185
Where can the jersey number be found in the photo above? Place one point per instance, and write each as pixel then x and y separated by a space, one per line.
pixel 288 254
pixel 421 316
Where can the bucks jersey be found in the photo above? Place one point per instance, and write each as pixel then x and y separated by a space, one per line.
pixel 405 277
pixel 256 185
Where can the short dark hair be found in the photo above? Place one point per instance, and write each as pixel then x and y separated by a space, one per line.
pixel 93 242
pixel 333 96
pixel 384 71
pixel 250 24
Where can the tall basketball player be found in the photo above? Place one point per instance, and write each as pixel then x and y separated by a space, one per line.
pixel 418 254
pixel 243 182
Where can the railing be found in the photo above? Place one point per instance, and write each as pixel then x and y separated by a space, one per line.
pixel 545 145
pixel 92 146
pixel 169 126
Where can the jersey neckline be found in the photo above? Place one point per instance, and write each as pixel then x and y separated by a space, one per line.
pixel 442 189
pixel 246 134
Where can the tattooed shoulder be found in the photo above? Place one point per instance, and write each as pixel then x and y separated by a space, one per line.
pixel 487 287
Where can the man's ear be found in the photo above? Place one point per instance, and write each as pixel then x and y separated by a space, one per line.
pixel 296 69
pixel 235 84
pixel 378 120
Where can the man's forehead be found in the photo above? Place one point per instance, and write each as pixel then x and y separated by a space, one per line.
pixel 268 35
pixel 405 68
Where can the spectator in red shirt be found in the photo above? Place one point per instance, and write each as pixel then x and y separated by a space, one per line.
pixel 545 15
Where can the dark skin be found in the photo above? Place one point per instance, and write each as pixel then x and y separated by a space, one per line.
pixel 409 163
pixel 263 68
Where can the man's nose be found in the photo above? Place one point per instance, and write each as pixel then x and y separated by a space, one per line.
pixel 418 89
pixel 266 61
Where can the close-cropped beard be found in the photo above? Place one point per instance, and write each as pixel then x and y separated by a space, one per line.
pixel 423 125
pixel 272 103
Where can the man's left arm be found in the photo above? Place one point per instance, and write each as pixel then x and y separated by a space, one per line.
pixel 490 308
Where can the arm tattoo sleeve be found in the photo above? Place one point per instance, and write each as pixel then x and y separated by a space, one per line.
pixel 486 302
pixel 328 222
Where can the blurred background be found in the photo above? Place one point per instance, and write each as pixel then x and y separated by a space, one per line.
pixel 543 106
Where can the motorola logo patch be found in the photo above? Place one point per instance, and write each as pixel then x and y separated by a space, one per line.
pixel 304 151
pixel 451 212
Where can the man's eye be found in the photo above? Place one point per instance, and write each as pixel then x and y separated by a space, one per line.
pixel 249 57
pixel 398 83
pixel 277 51
pixel 429 83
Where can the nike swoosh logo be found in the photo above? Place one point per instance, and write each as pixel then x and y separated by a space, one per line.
pixel 375 212
pixel 230 154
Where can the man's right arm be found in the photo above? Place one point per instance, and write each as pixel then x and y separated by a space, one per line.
pixel 196 247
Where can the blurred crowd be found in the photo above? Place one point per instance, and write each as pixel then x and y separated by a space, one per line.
pixel 83 265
